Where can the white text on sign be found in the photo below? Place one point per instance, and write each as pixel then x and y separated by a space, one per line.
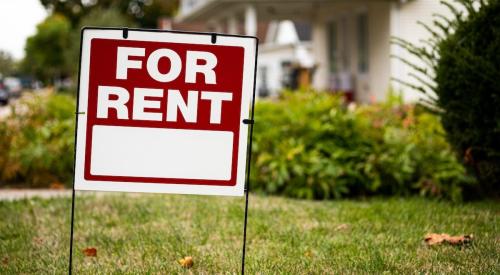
pixel 114 97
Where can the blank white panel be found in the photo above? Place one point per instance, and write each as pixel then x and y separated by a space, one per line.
pixel 161 153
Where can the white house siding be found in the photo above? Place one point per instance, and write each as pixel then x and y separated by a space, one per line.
pixel 320 54
pixel 271 58
pixel 404 25
pixel 379 51
pixel 386 18
pixel 369 86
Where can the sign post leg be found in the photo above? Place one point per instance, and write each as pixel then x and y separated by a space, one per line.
pixel 244 234
pixel 77 113
pixel 250 122
pixel 247 187
pixel 71 234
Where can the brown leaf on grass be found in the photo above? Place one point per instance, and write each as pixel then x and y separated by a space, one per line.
pixel 342 226
pixel 5 260
pixel 90 252
pixel 56 186
pixel 186 262
pixel 433 239
pixel 38 240
pixel 309 253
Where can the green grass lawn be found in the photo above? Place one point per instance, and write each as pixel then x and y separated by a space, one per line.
pixel 149 233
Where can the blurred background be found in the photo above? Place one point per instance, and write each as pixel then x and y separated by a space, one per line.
pixel 349 95
pixel 327 45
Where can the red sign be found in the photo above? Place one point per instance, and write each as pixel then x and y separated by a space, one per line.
pixel 163 112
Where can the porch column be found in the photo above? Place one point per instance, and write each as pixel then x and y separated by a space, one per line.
pixel 320 54
pixel 398 70
pixel 250 20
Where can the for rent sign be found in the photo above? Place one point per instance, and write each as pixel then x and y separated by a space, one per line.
pixel 163 112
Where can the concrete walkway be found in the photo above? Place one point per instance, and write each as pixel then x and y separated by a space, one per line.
pixel 16 194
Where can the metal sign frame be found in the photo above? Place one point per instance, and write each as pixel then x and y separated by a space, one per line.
pixel 249 121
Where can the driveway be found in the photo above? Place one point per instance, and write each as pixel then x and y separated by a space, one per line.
pixel 16 194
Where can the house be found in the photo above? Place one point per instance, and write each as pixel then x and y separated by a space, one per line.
pixel 349 47
pixel 285 58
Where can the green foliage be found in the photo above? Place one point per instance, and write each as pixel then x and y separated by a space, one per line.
pixel 309 145
pixel 463 72
pixel 36 141
pixel 110 17
pixel 306 145
pixel 52 53
pixel 144 13
pixel 45 50
pixel 7 64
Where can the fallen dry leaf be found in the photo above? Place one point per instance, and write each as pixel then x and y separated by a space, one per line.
pixel 186 262
pixel 5 260
pixel 342 226
pixel 433 239
pixel 90 252
pixel 38 240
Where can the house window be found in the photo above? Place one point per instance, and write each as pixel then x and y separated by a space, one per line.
pixel 345 44
pixel 333 47
pixel 286 75
pixel 263 87
pixel 363 57
pixel 304 31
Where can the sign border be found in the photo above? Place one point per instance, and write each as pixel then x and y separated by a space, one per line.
pixel 249 44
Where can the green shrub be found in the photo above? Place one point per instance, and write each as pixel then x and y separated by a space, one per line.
pixel 309 145
pixel 469 91
pixel 36 141
pixel 464 73
pixel 306 145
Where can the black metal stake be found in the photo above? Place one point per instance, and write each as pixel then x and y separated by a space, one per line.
pixel 244 234
pixel 73 195
pixel 251 122
pixel 71 234
pixel 77 113
pixel 247 191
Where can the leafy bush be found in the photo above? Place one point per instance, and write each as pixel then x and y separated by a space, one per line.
pixel 464 70
pixel 310 145
pixel 306 145
pixel 36 141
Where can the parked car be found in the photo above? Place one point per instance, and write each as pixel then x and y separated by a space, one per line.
pixel 4 95
pixel 13 85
